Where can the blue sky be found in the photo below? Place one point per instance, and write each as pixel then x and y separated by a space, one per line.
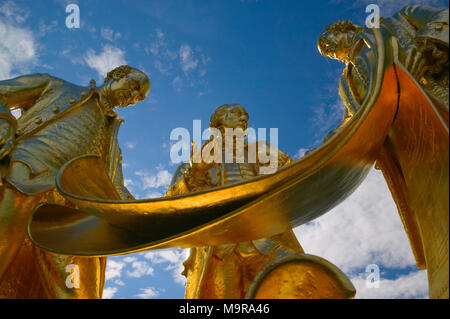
pixel 198 56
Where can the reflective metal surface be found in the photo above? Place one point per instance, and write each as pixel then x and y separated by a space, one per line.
pixel 301 276
pixel 271 204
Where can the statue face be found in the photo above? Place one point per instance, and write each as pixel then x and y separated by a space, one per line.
pixel 336 45
pixel 130 89
pixel 236 116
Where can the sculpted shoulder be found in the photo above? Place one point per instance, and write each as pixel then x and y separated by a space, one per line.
pixel 57 98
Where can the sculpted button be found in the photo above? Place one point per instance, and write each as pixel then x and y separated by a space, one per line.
pixel 438 27
pixel 72 101
pixel 38 120
pixel 55 110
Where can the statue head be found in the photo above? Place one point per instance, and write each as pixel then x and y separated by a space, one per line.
pixel 229 116
pixel 125 86
pixel 337 39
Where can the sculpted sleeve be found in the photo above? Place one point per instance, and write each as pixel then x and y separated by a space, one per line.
pixel 23 91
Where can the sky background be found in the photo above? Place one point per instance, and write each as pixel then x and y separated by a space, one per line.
pixel 200 55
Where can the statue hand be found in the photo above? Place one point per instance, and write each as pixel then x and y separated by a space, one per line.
pixel 7 132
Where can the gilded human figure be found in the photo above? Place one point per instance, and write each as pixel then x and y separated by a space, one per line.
pixel 414 157
pixel 59 121
pixel 228 271
pixel 422 35
pixel 395 90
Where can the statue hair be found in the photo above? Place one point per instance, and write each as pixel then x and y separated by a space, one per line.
pixel 342 27
pixel 216 118
pixel 118 73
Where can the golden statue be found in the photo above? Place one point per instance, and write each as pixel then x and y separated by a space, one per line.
pixel 228 271
pixel 59 121
pixel 395 89
pixel 414 157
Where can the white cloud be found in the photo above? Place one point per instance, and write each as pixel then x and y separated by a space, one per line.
pixel 17 45
pixel 105 61
pixel 148 293
pixel 140 268
pixel 175 259
pixel 119 282
pixel 412 285
pixel 162 178
pixel 187 60
pixel 364 229
pixel 113 269
pixel 128 182
pixel 129 259
pixel 109 292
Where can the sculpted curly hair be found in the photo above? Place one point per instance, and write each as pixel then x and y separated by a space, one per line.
pixel 216 118
pixel 118 73
pixel 342 27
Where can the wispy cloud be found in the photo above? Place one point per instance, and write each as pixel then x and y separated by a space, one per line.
pixel 45 28
pixel 164 56
pixel 130 145
pixel 187 59
pixel 184 63
pixel 327 116
pixel 161 178
pixel 113 269
pixel 109 58
pixel 148 293
pixel 139 269
pixel 174 258
pixel 13 13
pixel 109 34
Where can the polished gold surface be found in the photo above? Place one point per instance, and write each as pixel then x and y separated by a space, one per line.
pixel 227 271
pixel 422 155
pixel 59 121
pixel 395 90
pixel 415 155
pixel 301 276
pixel 272 204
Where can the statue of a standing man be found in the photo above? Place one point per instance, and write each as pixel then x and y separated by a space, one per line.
pixel 231 271
pixel 59 122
